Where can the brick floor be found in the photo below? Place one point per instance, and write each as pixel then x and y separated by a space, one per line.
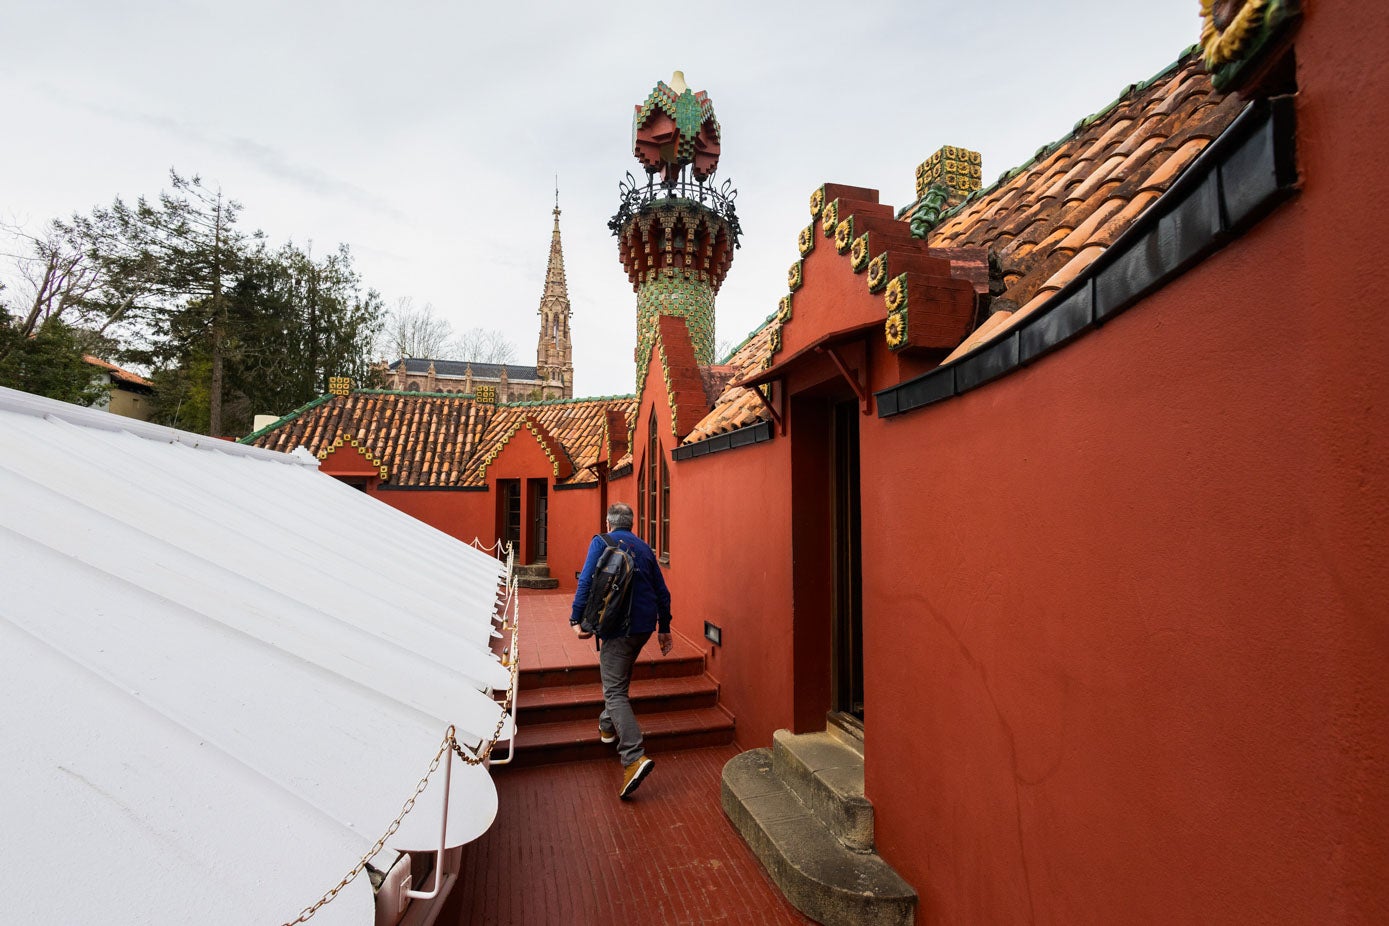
pixel 565 850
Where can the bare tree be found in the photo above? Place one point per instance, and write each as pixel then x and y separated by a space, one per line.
pixel 415 332
pixel 55 276
pixel 479 345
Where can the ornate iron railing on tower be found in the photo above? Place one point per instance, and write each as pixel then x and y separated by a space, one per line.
pixel 637 198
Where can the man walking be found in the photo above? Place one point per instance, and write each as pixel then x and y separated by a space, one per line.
pixel 650 608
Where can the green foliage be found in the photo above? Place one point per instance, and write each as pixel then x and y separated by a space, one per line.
pixel 297 321
pixel 227 327
pixel 48 362
pixel 181 394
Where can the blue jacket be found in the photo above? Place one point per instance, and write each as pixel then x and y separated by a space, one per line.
pixel 650 597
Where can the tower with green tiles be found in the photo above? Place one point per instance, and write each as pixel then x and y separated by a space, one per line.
pixel 676 230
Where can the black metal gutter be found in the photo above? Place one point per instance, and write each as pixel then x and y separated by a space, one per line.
pixel 728 440
pixel 1240 177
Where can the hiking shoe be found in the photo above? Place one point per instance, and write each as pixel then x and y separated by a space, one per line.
pixel 605 736
pixel 633 774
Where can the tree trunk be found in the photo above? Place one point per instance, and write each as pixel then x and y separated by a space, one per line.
pixel 214 412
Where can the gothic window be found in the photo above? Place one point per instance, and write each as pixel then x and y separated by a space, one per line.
pixel 665 509
pixel 653 495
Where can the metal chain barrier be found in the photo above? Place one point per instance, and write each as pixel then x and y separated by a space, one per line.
pixel 450 742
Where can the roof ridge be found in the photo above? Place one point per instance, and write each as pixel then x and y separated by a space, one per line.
pixel 1083 123
pixel 744 342
pixel 283 419
pixel 424 395
pixel 534 402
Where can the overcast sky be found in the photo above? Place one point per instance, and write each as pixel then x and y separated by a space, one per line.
pixel 427 135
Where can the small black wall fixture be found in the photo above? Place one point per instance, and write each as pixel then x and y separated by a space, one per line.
pixel 713 634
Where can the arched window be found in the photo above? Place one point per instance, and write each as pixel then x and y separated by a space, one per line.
pixel 653 494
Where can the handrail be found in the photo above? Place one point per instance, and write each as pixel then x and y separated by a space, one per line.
pixel 482 755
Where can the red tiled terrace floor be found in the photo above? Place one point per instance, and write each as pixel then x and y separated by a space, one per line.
pixel 565 850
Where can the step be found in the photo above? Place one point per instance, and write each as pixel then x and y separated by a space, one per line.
pixel 818 874
pixel 587 674
pixel 523 581
pixel 557 704
pixel 574 740
pixel 827 776
pixel 534 570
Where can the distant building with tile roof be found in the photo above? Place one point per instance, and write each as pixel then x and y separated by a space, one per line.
pixel 532 473
pixel 129 395
pixel 552 376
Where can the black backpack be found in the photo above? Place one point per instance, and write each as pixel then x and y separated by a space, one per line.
pixel 608 611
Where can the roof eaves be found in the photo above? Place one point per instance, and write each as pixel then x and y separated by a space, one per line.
pixel 314 403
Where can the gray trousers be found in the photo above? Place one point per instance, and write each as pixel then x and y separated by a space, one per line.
pixel 615 660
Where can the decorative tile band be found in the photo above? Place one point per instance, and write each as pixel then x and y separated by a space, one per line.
pixel 501 445
pixel 896 298
pixel 690 299
pixel 341 440
pixel 895 331
pixel 829 218
pixel 957 169
pixel 877 273
pixel 844 234
pixel 858 253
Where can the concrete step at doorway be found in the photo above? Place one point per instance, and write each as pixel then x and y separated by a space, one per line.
pixel 800 808
pixel 535 576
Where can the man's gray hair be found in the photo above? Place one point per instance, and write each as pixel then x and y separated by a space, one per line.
pixel 619 516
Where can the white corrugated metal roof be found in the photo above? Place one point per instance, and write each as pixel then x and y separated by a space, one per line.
pixel 222 673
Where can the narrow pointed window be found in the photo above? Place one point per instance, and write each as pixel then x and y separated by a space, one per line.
pixel 653 453
pixel 665 510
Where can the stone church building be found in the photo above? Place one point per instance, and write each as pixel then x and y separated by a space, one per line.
pixel 552 377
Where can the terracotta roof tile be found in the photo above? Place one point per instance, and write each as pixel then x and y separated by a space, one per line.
pixel 1086 181
pixel 1175 163
pixel 1086 230
pixel 1045 222
pixel 119 374
pixel 427 439
pixel 1073 267
pixel 981 334
pixel 737 406
pixel 578 425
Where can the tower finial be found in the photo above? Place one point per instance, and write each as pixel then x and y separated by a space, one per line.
pixel 556 195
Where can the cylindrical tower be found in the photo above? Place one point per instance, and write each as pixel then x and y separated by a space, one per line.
pixel 676 233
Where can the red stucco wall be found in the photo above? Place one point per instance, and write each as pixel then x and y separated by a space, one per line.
pixel 464 515
pixel 523 458
pixel 1145 614
pixel 1125 611
pixel 731 566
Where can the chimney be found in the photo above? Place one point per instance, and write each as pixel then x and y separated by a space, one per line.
pixel 956 170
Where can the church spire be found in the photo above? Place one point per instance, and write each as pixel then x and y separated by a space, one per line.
pixel 554 353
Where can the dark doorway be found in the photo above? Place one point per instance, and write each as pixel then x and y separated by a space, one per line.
pixel 846 620
pixel 539 513
pixel 509 513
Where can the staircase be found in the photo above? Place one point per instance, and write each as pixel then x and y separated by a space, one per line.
pixel 801 809
pixel 536 575
pixel 676 703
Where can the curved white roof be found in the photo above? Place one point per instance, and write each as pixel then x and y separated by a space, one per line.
pixel 222 674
